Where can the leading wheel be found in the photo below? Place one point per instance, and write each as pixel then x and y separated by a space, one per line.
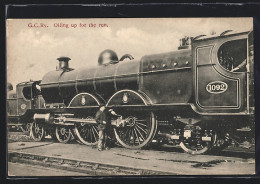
pixel 138 131
pixel 87 133
pixel 197 141
pixel 37 131
pixel 63 134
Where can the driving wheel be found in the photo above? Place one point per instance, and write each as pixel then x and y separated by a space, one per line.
pixel 87 133
pixel 139 130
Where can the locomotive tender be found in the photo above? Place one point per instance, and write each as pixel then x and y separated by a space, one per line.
pixel 200 97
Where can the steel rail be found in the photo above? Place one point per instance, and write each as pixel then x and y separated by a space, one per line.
pixel 93 168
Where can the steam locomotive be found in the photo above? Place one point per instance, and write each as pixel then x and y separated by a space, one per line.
pixel 200 97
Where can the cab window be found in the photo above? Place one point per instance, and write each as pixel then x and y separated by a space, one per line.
pixel 27 92
pixel 232 55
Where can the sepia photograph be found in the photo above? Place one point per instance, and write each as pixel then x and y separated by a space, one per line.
pixel 130 96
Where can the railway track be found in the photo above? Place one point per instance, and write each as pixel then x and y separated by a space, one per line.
pixel 92 168
pixel 85 160
pixel 231 151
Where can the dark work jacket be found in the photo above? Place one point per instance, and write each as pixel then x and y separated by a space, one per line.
pixel 101 116
pixel 104 116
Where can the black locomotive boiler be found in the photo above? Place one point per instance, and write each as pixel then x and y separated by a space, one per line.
pixel 199 97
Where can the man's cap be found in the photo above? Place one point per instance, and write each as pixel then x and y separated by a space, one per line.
pixel 63 58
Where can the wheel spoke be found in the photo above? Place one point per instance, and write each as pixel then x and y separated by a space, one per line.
pixel 86 133
pixel 95 128
pixel 141 124
pixel 124 135
pixel 137 136
pixel 141 129
pixel 81 129
pixel 65 135
pixel 140 133
pixel 90 130
pixel 133 134
pixel 141 120
pixel 129 140
pixel 94 134
pixel 90 134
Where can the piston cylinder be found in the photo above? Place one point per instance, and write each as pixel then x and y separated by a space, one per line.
pixel 43 118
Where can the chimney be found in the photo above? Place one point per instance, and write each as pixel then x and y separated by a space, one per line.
pixel 63 63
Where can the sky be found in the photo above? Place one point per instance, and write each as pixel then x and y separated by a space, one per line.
pixel 33 51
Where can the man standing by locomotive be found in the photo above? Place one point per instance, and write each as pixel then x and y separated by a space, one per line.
pixel 103 119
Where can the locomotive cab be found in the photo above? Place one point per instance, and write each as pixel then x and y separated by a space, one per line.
pixel 222 73
pixel 28 96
